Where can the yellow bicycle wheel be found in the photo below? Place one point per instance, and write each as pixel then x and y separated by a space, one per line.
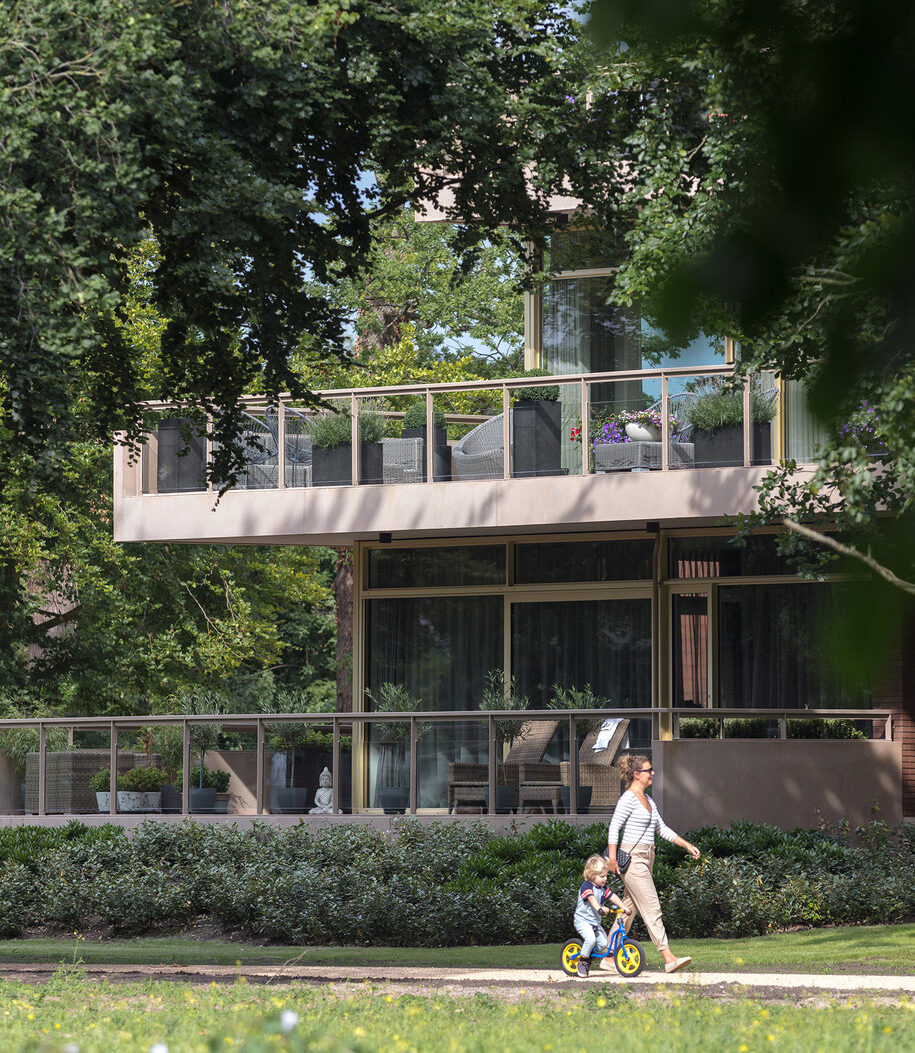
pixel 629 958
pixel 568 957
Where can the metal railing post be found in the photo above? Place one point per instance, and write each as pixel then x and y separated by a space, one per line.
pixel 354 438
pixel 430 439
pixel 506 433
pixel 585 434
pixel 281 445
pixel 113 769
pixel 747 423
pixel 42 767
pixel 665 424
pixel 412 765
pixel 335 755
pixel 573 766
pixel 185 767
pixel 259 770
pixel 491 809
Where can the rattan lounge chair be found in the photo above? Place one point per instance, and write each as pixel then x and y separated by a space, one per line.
pixel 480 454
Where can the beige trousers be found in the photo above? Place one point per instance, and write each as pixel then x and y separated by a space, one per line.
pixel 641 896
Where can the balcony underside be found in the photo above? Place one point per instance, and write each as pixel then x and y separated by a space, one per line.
pixel 342 515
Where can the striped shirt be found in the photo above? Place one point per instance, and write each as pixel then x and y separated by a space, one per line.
pixel 630 818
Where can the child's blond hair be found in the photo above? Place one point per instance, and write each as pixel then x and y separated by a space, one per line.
pixel 595 865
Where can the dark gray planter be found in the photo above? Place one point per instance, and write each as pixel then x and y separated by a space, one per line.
pixel 333 465
pixel 202 799
pixel 536 438
pixel 179 471
pixel 292 799
pixel 441 455
pixel 392 799
pixel 582 798
pixel 723 448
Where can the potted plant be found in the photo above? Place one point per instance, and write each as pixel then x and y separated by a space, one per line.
pixel 414 427
pixel 579 698
pixel 331 437
pixel 393 793
pixel 496 698
pixel 205 784
pixel 288 738
pixel 100 785
pixel 536 428
pixel 715 415
pixel 139 789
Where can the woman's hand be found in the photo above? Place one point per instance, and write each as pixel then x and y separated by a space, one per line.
pixel 612 864
pixel 693 851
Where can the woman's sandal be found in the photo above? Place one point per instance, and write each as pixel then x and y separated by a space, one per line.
pixel 676 964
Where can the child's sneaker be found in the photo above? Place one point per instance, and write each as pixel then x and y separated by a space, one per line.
pixel 584 966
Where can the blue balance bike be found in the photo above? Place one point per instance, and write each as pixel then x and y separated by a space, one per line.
pixel 627 954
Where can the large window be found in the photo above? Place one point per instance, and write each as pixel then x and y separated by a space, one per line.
pixel 775 651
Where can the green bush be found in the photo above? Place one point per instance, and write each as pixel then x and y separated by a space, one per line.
pixel 101 781
pixel 415 416
pixel 212 779
pixel 143 780
pixel 547 393
pixel 355 884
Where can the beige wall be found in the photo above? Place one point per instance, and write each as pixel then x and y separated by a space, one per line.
pixel 339 515
pixel 711 781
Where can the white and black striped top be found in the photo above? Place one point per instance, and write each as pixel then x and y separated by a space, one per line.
pixel 630 817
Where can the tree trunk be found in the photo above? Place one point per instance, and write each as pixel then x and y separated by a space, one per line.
pixel 343 600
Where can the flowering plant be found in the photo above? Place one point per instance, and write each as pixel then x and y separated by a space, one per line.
pixel 613 427
pixel 863 429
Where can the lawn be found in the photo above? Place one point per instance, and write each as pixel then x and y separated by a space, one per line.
pixel 886 949
pixel 71 1013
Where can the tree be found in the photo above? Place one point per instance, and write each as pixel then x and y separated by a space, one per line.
pixel 257 141
pixel 765 182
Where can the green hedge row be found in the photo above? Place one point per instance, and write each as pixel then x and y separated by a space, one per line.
pixel 434 885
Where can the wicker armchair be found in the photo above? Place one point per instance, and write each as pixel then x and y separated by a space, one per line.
pixel 539 784
pixel 603 779
pixel 479 455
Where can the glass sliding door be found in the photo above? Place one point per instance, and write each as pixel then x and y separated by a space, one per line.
pixel 440 649
pixel 603 643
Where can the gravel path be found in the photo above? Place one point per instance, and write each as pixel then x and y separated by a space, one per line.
pixel 427 980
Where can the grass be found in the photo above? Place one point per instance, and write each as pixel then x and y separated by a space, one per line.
pixel 71 1012
pixel 863 949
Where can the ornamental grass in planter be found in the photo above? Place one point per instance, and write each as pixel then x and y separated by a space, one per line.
pixel 331 437
pixel 716 419
pixel 536 427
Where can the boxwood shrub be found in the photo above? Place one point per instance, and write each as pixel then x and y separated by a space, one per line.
pixel 436 884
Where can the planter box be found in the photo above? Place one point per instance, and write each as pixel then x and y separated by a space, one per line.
pixel 441 454
pixel 393 799
pixel 333 465
pixel 179 471
pixel 138 801
pixel 536 441
pixel 723 447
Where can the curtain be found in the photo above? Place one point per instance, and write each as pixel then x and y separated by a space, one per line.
pixel 441 649
pixel 774 649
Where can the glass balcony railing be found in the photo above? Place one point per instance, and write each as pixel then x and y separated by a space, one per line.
pixel 523 427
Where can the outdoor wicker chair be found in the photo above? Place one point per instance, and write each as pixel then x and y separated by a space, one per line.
pixel 480 454
pixel 402 460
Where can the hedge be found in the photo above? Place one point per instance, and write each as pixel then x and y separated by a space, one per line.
pixel 434 885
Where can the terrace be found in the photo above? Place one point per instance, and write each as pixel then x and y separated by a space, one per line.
pixel 769 765
pixel 505 461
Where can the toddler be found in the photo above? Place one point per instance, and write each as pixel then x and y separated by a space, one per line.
pixel 588 910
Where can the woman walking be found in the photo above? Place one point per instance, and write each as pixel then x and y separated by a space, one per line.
pixel 637 818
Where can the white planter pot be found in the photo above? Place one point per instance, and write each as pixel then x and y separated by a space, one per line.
pixel 104 801
pixel 130 801
pixel 137 801
pixel 643 432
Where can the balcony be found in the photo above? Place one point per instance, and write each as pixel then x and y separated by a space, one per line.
pixel 509 767
pixel 505 461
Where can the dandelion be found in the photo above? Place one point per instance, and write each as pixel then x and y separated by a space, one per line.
pixel 288 1020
